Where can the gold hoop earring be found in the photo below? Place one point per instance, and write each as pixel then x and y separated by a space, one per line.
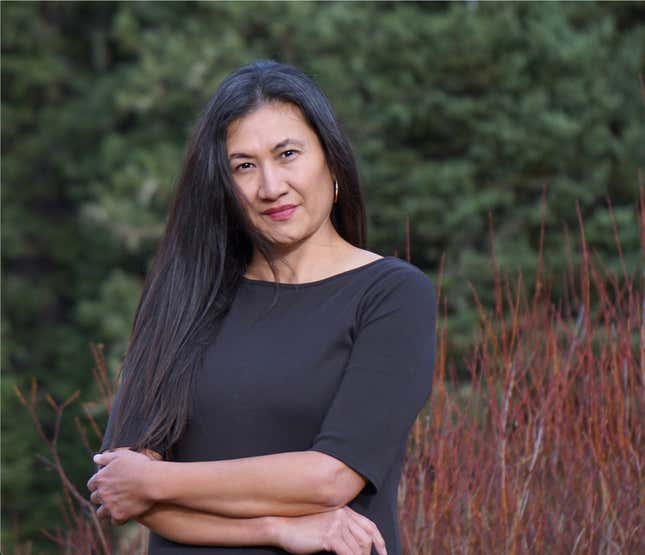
pixel 335 191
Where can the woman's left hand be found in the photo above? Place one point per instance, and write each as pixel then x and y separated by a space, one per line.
pixel 120 487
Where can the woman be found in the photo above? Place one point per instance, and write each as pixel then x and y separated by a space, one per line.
pixel 275 366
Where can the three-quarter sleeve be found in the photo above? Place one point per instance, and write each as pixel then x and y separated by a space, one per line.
pixel 388 377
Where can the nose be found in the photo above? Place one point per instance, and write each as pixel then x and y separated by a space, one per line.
pixel 272 186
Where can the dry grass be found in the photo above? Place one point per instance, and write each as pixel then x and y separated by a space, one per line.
pixel 544 451
pixel 541 452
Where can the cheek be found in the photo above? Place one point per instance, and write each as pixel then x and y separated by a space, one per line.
pixel 324 191
pixel 317 180
pixel 245 194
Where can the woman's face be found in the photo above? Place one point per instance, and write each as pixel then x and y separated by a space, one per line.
pixel 277 160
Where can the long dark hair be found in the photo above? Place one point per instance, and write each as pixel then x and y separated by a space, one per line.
pixel 206 247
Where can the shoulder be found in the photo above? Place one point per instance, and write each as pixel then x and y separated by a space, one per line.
pixel 398 274
pixel 396 283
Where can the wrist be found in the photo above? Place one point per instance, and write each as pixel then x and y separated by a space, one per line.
pixel 274 529
pixel 153 481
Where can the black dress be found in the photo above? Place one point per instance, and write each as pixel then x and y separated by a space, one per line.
pixel 342 365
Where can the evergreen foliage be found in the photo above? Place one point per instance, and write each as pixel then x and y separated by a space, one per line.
pixel 454 110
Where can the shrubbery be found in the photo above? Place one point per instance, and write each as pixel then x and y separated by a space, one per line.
pixel 543 451
pixel 457 112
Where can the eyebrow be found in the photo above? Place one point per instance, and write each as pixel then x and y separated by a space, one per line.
pixel 281 144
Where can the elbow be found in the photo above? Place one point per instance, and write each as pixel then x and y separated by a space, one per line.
pixel 341 485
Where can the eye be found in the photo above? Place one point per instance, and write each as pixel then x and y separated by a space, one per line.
pixel 242 166
pixel 287 152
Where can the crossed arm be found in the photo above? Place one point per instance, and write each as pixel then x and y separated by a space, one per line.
pixel 188 526
pixel 230 502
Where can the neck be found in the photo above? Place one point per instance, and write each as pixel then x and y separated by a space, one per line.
pixel 307 261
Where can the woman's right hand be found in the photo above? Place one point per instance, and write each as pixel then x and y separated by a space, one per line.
pixel 342 531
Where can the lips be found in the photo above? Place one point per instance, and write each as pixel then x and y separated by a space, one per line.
pixel 278 209
pixel 281 214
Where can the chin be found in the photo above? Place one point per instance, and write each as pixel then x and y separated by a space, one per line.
pixel 285 242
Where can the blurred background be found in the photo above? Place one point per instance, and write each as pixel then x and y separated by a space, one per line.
pixel 463 116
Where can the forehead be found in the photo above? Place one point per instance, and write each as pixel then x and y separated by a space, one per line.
pixel 268 125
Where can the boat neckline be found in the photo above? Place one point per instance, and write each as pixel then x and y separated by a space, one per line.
pixel 317 282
